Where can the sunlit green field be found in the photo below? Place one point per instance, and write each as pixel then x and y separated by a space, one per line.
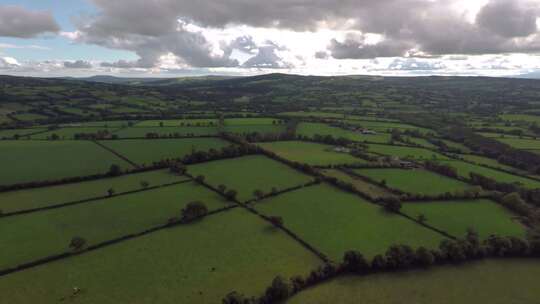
pixel 335 221
pixel 457 216
pixel 249 173
pixel 491 281
pixel 196 263
pixel 310 153
pixel 26 161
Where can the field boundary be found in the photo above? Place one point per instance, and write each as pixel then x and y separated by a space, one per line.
pixel 68 254
pixel 116 153
pixel 90 200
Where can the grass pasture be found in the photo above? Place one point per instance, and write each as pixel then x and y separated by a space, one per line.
pixel 456 217
pixel 310 153
pixel 179 123
pixel 464 169
pixel 487 281
pixel 196 263
pixel 48 196
pixel 138 132
pixel 335 221
pixel 27 161
pixel 405 152
pixel 365 187
pixel 249 173
pixel 415 181
pixel 69 132
pixel 146 151
pixel 11 133
pixel 261 129
pixel 36 235
pixel 312 129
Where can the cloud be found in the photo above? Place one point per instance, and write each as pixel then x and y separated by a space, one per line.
pixel 8 63
pixel 411 64
pixel 509 18
pixel 321 55
pixel 267 58
pixel 79 64
pixel 356 47
pixel 184 31
pixel 16 21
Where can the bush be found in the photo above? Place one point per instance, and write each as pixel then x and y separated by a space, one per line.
pixel 193 210
pixel 77 243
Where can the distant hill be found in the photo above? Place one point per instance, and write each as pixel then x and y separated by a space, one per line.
pixel 148 80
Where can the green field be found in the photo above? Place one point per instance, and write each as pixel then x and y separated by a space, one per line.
pixel 47 196
pixel 312 129
pixel 406 152
pixel 464 169
pixel 521 117
pixel 69 133
pixel 335 221
pixel 414 181
pixel 166 131
pixel 195 263
pixel 262 129
pixel 314 154
pixel 100 124
pixel 179 122
pixel 387 126
pixel 146 151
pixel 250 121
pixel 370 189
pixel 521 143
pixel 489 281
pixel 421 142
pixel 481 160
pixel 36 235
pixel 26 161
pixel 10 133
pixel 455 217
pixel 249 173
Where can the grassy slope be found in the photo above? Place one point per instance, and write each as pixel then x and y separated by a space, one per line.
pixel 25 161
pixel 334 222
pixel 143 151
pixel 46 196
pixel 196 263
pixel 491 281
pixel 310 153
pixel 455 217
pixel 247 174
pixel 414 181
pixel 28 237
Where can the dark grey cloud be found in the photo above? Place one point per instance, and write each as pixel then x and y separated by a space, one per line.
pixel 79 64
pixel 355 47
pixel 321 55
pixel 16 21
pixel 509 18
pixel 419 28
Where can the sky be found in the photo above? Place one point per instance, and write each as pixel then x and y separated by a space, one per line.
pixel 174 38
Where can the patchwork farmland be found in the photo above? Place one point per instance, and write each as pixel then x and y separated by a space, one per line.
pixel 200 203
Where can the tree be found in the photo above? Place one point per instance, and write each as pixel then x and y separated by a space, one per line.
pixel 276 220
pixel 110 192
pixel 278 291
pixel 424 257
pixel 145 184
pixel 178 168
pixel 354 261
pixel 231 194
pixel 234 298
pixel 258 194
pixel 77 243
pixel 222 188
pixel 392 204
pixel 200 178
pixel 378 262
pixel 114 170
pixel 422 218
pixel 194 210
